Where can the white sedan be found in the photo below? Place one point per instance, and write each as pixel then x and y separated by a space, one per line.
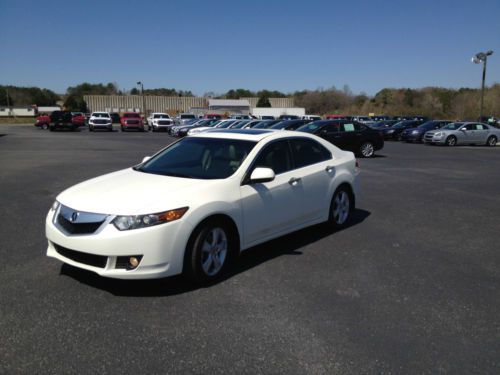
pixel 200 201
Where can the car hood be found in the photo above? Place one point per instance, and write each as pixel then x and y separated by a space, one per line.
pixel 130 192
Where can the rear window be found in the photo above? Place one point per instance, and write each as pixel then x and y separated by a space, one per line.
pixel 187 116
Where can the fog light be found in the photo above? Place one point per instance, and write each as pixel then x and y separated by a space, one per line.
pixel 134 262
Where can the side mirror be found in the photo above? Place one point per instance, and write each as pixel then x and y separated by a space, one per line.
pixel 262 175
pixel 463 129
pixel 146 158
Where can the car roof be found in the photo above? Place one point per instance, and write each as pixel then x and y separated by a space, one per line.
pixel 255 135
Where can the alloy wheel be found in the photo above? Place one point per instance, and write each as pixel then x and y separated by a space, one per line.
pixel 367 150
pixel 214 251
pixel 341 207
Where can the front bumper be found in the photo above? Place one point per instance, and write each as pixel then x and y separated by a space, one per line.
pixel 434 140
pixel 161 247
pixel 411 137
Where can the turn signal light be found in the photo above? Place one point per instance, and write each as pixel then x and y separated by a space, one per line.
pixel 173 214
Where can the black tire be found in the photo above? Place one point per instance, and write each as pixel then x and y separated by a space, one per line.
pixel 91 129
pixel 196 259
pixel 367 150
pixel 492 141
pixel 339 219
pixel 52 128
pixel 122 129
pixel 451 141
pixel 45 126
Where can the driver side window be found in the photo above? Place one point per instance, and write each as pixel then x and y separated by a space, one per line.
pixel 275 156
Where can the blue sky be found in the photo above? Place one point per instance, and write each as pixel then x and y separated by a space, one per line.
pixel 278 45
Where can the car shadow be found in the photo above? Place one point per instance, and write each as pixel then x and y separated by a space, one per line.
pixel 289 244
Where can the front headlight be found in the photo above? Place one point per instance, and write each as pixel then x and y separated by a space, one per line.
pixel 414 132
pixel 390 131
pixel 143 221
pixel 438 134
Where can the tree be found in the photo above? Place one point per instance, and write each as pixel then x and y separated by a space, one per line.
pixel 263 102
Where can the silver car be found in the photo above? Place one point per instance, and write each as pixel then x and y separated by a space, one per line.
pixel 463 133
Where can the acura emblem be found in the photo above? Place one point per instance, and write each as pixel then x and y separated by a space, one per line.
pixel 74 216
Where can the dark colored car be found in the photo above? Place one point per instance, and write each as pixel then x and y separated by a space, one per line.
pixel 239 124
pixel 289 117
pixel 289 124
pixel 65 120
pixel 417 134
pixel 115 117
pixel 264 124
pixel 347 135
pixel 380 125
pixel 394 132
pixel 131 120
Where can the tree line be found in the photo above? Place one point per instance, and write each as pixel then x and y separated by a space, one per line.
pixel 436 102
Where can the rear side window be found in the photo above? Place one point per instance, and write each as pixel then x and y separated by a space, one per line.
pixel 481 127
pixel 307 152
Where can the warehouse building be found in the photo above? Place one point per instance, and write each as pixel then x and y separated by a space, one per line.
pixel 174 104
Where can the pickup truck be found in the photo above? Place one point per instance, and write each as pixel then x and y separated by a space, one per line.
pixel 65 120
pixel 159 121
pixel 131 120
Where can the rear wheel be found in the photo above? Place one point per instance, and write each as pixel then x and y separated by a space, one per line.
pixel 451 141
pixel 340 207
pixel 209 251
pixel 367 150
pixel 492 141
pixel 122 129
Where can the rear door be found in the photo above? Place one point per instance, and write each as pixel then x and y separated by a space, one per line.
pixel 350 136
pixel 316 169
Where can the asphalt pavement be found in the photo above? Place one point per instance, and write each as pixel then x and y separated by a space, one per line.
pixel 412 286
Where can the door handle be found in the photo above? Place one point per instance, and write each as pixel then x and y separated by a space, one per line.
pixel 294 181
pixel 329 168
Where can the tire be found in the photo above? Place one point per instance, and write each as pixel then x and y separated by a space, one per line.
pixel 367 150
pixel 341 207
pixel 121 128
pixel 45 126
pixel 492 141
pixel 91 129
pixel 51 128
pixel 451 141
pixel 209 251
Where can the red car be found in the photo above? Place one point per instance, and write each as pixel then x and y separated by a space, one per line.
pixel 42 121
pixel 131 120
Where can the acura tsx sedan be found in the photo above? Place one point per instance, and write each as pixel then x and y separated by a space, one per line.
pixel 196 204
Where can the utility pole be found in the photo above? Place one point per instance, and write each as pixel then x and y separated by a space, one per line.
pixel 143 99
pixel 478 58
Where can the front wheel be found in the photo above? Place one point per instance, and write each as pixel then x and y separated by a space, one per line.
pixel 492 141
pixel 340 207
pixel 451 141
pixel 45 126
pixel 209 251
pixel 367 150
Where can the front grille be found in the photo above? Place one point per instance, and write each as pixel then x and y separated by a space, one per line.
pixel 164 122
pixel 132 122
pixel 77 228
pixel 84 258
pixel 101 122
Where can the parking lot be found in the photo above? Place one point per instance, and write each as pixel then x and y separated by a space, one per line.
pixel 412 286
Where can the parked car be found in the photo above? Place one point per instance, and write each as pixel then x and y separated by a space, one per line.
pixel 463 133
pixel 289 124
pixel 183 130
pixel 347 135
pixel 65 120
pixel 417 134
pixel 267 117
pixel 338 117
pixel 184 118
pixel 213 116
pixel 131 120
pixel 367 120
pixel 380 125
pixel 311 117
pixel 394 132
pixel 100 120
pixel 241 117
pixel 115 117
pixel 222 193
pixel 265 124
pixel 42 121
pixel 288 117
pixel 159 121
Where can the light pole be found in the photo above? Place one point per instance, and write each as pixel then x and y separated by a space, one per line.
pixel 478 58
pixel 143 100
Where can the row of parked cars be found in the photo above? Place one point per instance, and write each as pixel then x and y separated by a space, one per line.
pixel 444 132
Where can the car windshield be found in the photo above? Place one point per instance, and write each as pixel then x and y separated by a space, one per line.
pixel 312 126
pixel 187 116
pixel 199 158
pixel 452 126
pixel 101 115
pixel 161 116
pixel 132 115
pixel 224 124
pixel 240 124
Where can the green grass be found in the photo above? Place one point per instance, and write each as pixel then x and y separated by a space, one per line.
pixel 17 120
